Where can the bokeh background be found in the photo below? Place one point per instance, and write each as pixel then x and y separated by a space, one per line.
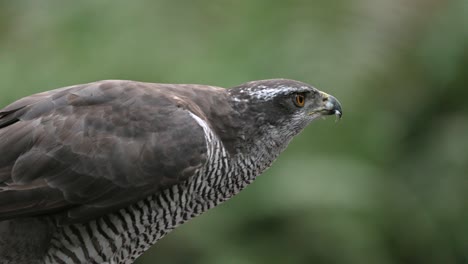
pixel 388 184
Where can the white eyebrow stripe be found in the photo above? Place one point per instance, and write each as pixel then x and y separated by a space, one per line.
pixel 270 93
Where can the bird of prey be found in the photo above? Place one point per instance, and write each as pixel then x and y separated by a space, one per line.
pixel 99 172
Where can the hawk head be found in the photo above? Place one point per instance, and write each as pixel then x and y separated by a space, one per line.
pixel 271 112
pixel 282 107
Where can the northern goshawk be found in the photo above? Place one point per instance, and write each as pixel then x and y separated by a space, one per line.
pixel 99 172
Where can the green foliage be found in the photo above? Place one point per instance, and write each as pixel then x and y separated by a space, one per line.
pixel 386 185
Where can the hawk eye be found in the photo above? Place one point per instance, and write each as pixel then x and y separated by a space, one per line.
pixel 299 100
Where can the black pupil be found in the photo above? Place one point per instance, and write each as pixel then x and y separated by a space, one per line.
pixel 300 99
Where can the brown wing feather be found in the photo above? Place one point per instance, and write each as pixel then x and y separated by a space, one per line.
pixel 90 149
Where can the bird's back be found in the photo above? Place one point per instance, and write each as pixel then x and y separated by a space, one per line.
pixel 103 163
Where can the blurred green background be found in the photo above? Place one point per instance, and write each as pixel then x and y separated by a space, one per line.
pixel 388 184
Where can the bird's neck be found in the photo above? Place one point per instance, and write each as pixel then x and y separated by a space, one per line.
pixel 262 151
pixel 246 134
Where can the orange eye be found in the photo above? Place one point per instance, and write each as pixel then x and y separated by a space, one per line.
pixel 299 100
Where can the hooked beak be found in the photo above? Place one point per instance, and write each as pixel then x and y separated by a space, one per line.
pixel 329 105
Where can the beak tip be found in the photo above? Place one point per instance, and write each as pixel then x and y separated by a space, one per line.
pixel 338 114
pixel 334 107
